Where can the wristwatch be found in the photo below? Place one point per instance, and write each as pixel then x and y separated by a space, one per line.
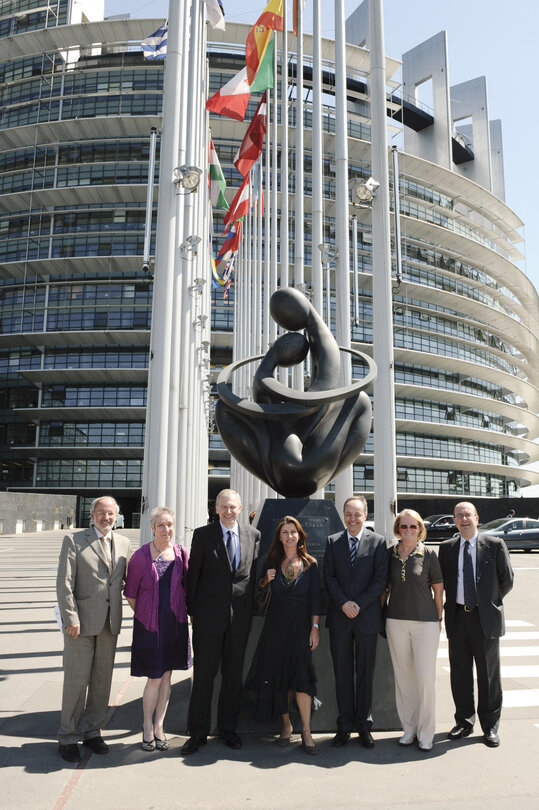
pixel 317 626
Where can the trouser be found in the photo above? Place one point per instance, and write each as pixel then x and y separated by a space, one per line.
pixel 88 663
pixel 467 645
pixel 210 650
pixel 413 646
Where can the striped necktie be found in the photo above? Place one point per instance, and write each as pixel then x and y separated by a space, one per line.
pixel 353 550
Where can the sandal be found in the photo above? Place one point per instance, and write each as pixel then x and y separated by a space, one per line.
pixel 147 745
pixel 161 745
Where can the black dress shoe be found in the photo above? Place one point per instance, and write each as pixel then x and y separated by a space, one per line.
pixel 231 739
pixel 192 745
pixel 460 730
pixel 366 739
pixel 491 738
pixel 97 745
pixel 340 739
pixel 69 752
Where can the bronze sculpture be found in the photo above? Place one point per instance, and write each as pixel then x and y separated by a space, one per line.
pixel 296 441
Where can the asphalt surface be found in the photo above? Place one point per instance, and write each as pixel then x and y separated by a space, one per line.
pixel 464 774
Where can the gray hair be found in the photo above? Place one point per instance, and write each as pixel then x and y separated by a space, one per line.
pixel 156 513
pixel 360 498
pixel 227 493
pixel 104 498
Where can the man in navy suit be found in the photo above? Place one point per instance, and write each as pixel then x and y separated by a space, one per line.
pixel 355 573
pixel 474 621
pixel 220 590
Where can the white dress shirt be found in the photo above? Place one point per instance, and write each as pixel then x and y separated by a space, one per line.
pixel 473 552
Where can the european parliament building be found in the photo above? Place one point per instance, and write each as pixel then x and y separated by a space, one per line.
pixel 78 101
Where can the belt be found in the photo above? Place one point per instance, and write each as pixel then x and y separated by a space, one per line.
pixel 465 609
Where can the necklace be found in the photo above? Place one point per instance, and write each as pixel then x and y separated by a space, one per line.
pixel 290 571
pixel 160 554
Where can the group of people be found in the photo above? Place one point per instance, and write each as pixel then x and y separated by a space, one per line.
pixel 371 588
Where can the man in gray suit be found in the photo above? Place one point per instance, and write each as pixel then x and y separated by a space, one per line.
pixel 91 575
pixel 477 576
pixel 355 573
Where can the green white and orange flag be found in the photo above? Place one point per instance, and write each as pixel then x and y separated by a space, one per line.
pixel 217 181
pixel 259 36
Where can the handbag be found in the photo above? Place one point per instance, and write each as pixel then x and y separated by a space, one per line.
pixel 262 600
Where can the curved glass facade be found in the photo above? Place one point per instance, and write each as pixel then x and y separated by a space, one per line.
pixel 75 303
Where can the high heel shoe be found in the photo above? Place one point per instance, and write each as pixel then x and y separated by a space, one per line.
pixel 147 745
pixel 161 744
pixel 282 742
pixel 309 749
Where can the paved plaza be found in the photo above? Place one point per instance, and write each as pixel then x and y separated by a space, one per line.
pixel 465 774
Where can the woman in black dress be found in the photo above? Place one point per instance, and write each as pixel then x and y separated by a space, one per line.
pixel 282 664
pixel 155 589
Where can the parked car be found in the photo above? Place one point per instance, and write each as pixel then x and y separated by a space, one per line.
pixel 517 532
pixel 439 527
pixel 120 521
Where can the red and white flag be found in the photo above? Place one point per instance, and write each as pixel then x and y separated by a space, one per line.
pixel 239 206
pixel 232 99
pixel 253 141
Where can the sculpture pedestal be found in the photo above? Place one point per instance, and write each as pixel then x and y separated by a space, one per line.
pixel 320 518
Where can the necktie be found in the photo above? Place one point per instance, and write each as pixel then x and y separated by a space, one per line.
pixel 468 579
pixel 353 550
pixel 230 550
pixel 106 551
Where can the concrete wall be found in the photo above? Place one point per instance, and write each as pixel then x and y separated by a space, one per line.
pixel 469 100
pixel 429 62
pixel 34 512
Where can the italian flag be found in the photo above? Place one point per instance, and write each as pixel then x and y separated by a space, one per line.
pixel 217 181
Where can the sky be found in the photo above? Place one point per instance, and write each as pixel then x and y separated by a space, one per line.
pixel 491 38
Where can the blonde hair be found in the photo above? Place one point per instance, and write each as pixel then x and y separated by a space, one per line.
pixel 422 533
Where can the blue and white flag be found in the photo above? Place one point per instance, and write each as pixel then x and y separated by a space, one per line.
pixel 216 13
pixel 155 46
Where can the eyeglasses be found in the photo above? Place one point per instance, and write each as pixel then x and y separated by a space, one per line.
pixel 406 526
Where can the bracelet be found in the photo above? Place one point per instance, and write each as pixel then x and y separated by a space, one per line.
pixel 316 625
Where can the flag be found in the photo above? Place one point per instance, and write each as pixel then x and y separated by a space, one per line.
pixel 253 141
pixel 217 181
pixel 232 99
pixel 264 75
pixel 155 46
pixel 216 14
pixel 231 244
pixel 295 16
pixel 239 206
pixel 259 36
pixel 228 274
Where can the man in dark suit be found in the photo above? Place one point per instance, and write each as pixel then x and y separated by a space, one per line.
pixel 91 575
pixel 477 575
pixel 355 573
pixel 220 590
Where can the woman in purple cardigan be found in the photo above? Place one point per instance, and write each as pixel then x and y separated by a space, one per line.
pixel 155 589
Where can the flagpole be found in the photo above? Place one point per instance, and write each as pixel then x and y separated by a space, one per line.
pixel 343 482
pixel 317 283
pixel 317 164
pixel 171 494
pixel 385 477
pixel 193 279
pixel 158 455
pixel 274 199
pixel 299 218
pixel 284 237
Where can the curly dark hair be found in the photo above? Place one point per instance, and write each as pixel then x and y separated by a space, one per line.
pixel 276 553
